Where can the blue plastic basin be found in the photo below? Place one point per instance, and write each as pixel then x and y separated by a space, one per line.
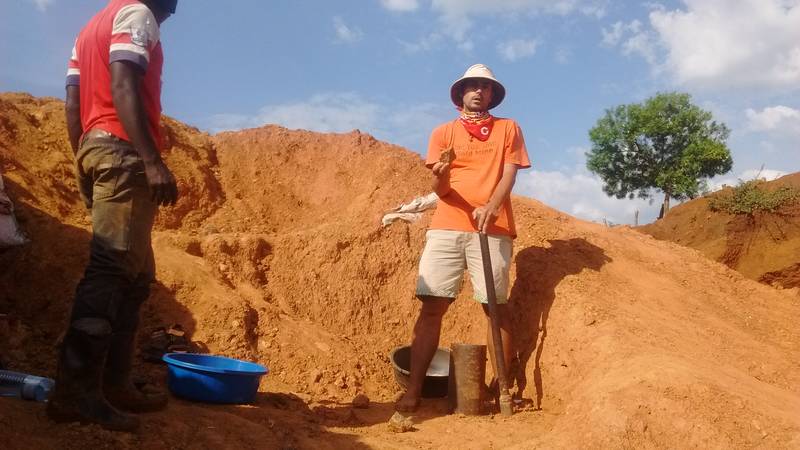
pixel 213 379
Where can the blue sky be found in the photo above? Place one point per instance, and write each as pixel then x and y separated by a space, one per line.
pixel 385 67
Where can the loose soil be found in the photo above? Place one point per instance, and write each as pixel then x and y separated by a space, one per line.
pixel 275 254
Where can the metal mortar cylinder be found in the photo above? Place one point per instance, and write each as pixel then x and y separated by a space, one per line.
pixel 467 375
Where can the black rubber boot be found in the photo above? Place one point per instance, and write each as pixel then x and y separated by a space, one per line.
pixel 117 385
pixel 78 394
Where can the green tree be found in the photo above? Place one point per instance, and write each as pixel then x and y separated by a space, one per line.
pixel 665 143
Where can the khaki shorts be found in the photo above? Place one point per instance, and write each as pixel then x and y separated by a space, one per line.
pixel 448 253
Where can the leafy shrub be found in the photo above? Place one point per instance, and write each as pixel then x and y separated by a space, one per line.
pixel 750 197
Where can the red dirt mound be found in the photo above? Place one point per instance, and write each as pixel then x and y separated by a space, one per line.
pixel 275 254
pixel 764 246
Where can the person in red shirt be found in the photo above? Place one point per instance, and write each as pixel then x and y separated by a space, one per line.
pixel 474 160
pixel 113 112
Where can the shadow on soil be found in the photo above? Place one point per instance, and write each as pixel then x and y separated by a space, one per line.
pixel 37 286
pixel 539 272
pixel 287 421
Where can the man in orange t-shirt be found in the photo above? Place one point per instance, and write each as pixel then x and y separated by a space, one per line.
pixel 474 160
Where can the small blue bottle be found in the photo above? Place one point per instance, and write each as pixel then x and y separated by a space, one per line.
pixel 22 385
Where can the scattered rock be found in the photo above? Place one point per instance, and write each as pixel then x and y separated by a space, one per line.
pixel 400 423
pixel 361 401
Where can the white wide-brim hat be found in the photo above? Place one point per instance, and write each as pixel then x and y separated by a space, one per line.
pixel 479 71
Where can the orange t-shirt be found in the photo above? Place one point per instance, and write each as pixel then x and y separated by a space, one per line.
pixel 475 172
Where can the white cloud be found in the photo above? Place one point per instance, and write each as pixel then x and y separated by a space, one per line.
pixel 345 33
pixel 423 44
pixel 342 112
pixel 778 119
pixel 412 124
pixel 230 122
pixel 578 152
pixel 770 147
pixel 400 5
pixel 457 16
pixel 641 44
pixel 731 44
pixel 42 5
pixel 612 36
pixel 631 39
pixel 750 174
pixel 456 8
pixel 516 49
pixel 323 112
pixel 580 194
pixel 466 46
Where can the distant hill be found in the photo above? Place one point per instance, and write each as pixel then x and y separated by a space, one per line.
pixel 764 246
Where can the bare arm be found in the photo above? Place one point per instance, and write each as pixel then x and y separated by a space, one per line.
pixel 486 215
pixel 441 178
pixel 72 111
pixel 125 80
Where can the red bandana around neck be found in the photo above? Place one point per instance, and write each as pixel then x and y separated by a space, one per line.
pixel 479 125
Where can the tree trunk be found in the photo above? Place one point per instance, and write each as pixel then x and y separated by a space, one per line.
pixel 664 206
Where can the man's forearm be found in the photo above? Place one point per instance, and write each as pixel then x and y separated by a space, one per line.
pixel 130 110
pixel 504 187
pixel 441 184
pixel 72 112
